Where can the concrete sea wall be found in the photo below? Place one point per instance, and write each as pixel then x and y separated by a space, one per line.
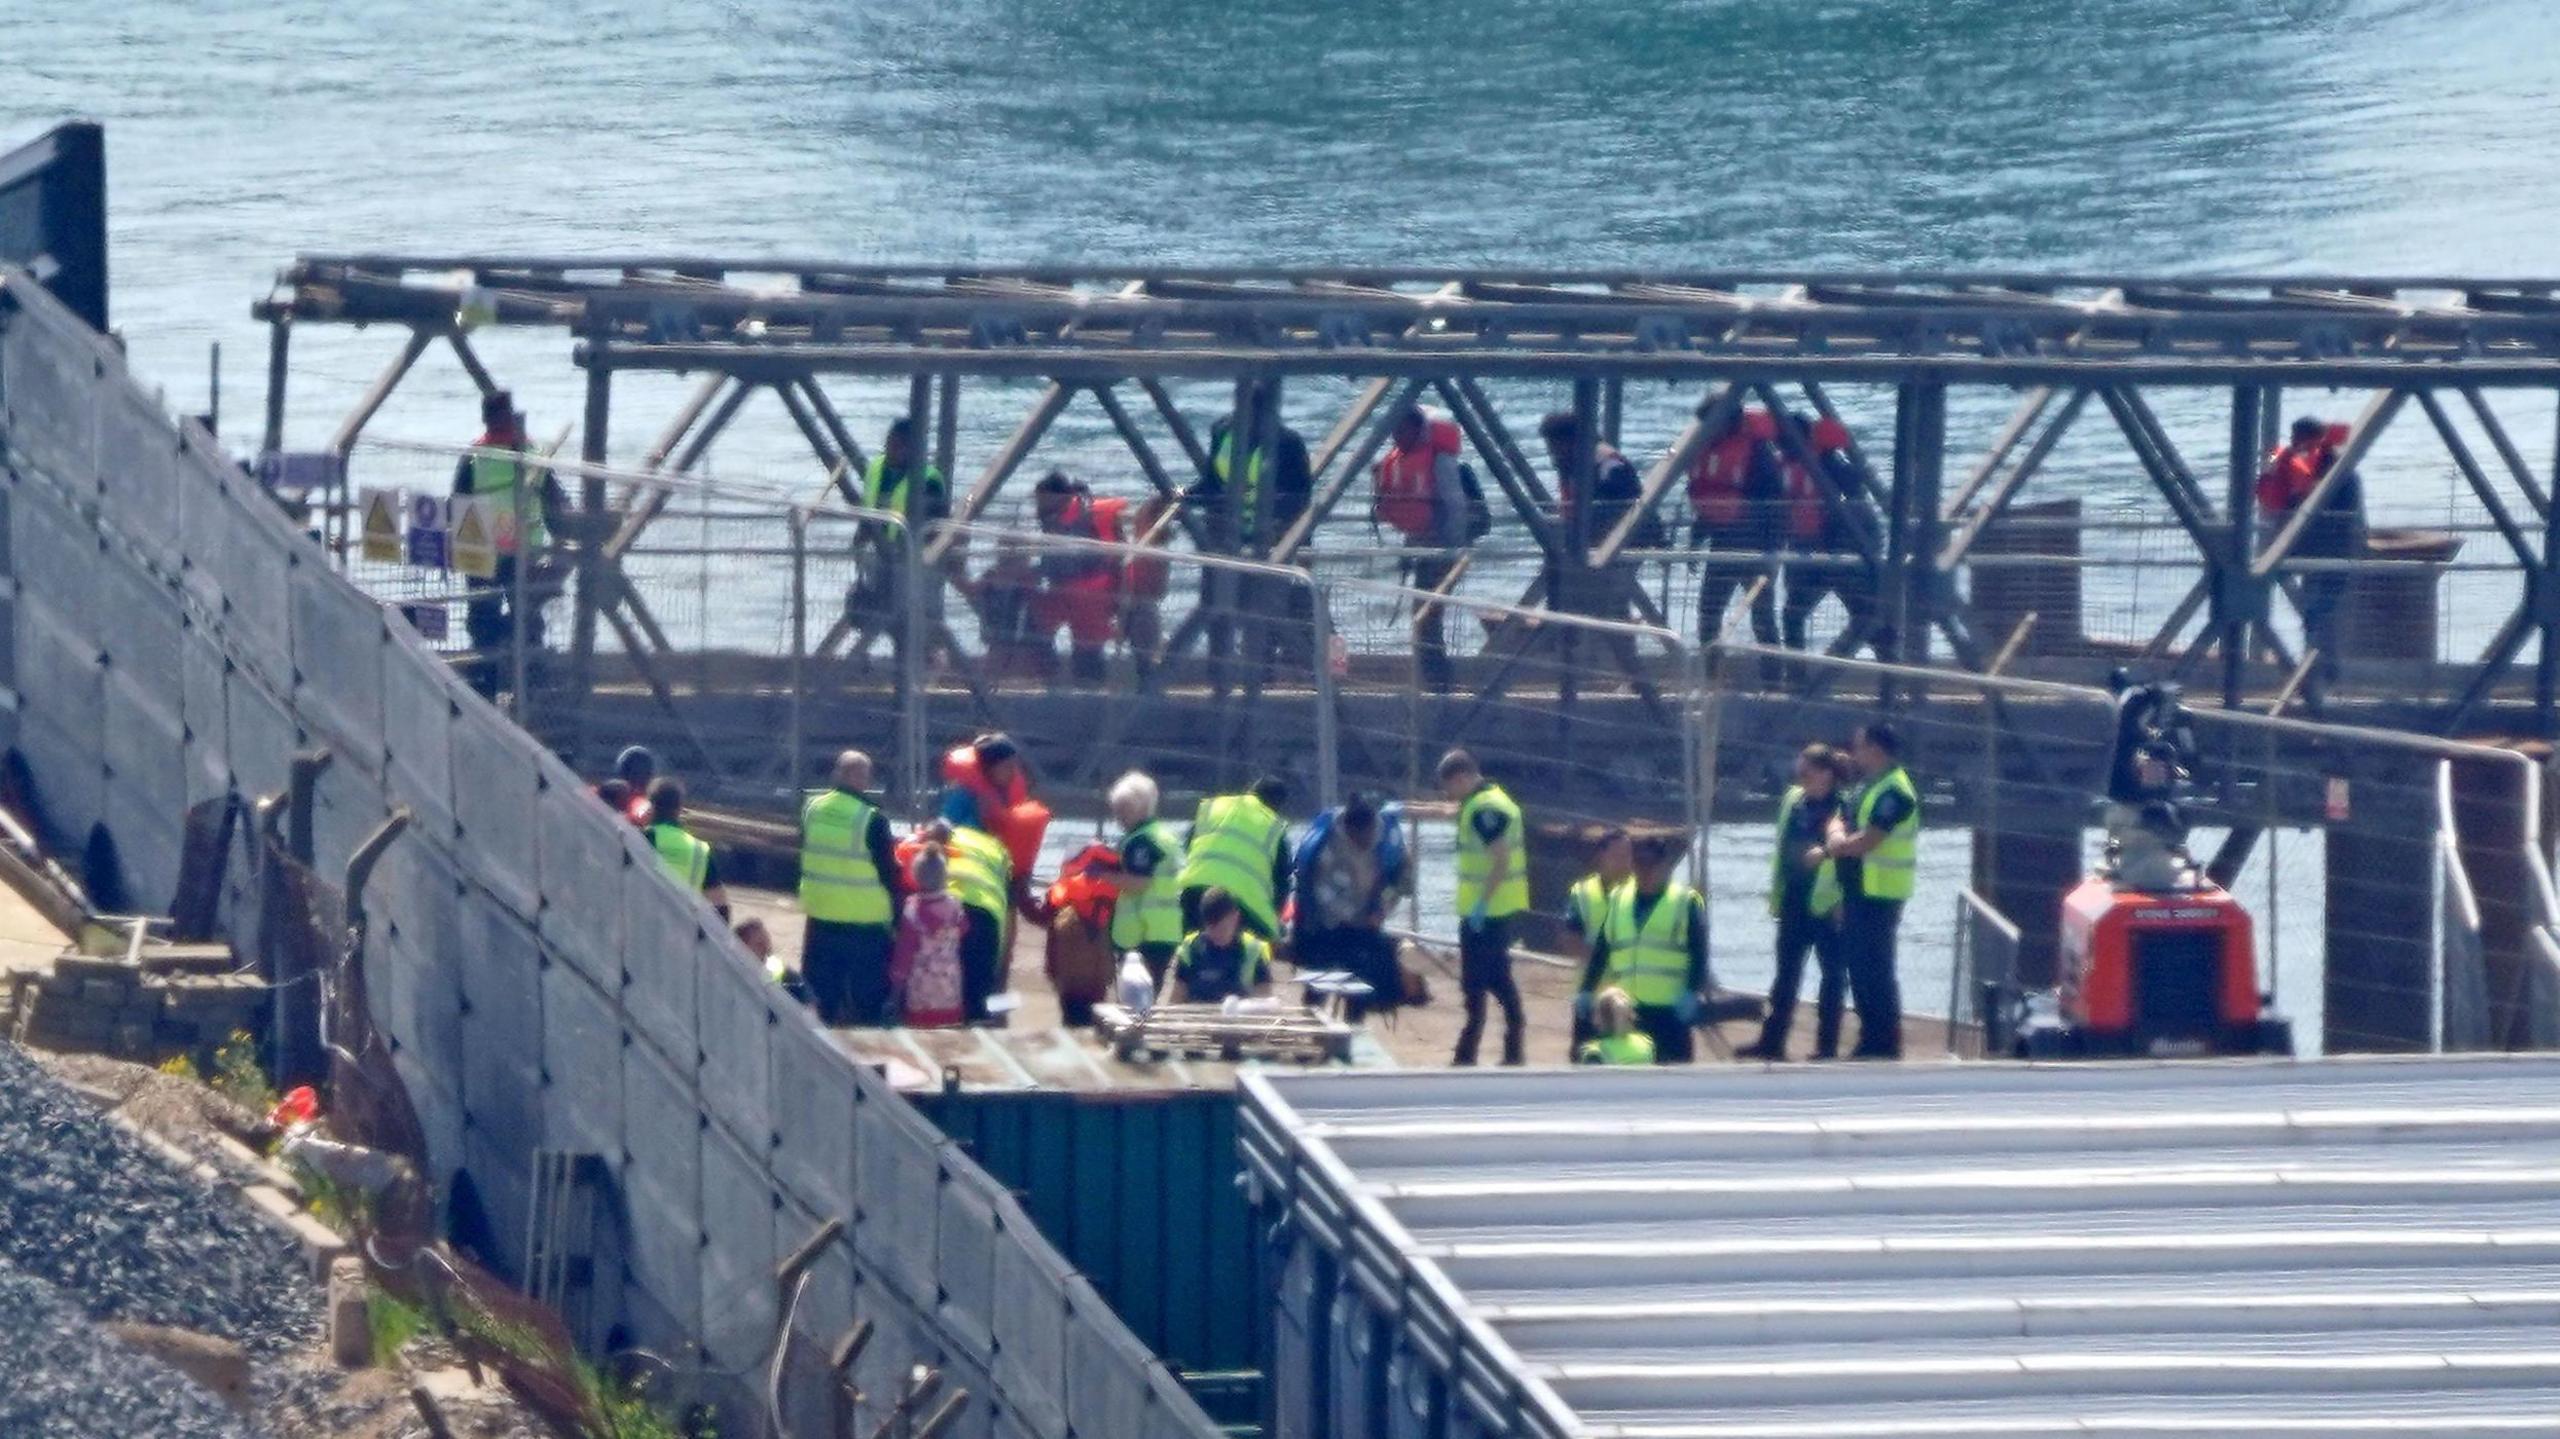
pixel 170 638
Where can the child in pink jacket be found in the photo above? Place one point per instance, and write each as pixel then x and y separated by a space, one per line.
pixel 924 965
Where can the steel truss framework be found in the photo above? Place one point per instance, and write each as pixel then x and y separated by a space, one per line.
pixel 2068 343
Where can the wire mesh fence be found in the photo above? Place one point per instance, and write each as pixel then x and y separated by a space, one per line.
pixel 748 639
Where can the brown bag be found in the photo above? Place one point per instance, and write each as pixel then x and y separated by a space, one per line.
pixel 1080 964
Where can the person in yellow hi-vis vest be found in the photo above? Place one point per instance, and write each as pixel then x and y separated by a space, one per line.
pixel 1615 1038
pixel 1240 843
pixel 1877 845
pixel 686 855
pixel 496 471
pixel 1493 886
pixel 850 886
pixel 1654 947
pixel 1804 898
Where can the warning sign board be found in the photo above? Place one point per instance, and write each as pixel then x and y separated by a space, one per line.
pixel 432 621
pixel 427 535
pixel 381 510
pixel 474 546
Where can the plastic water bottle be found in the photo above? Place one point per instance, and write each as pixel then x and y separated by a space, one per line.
pixel 1137 987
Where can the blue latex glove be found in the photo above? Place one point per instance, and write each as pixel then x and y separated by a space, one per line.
pixel 1475 916
pixel 1688 1009
pixel 1582 1005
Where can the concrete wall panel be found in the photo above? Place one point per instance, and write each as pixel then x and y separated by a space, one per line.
pixel 813 1114
pixel 897 1169
pixel 737 1019
pixel 585 862
pixel 660 936
pixel 964 1266
pixel 418 702
pixel 501 1012
pixel 1030 1299
pixel 582 1107
pixel 137 481
pixel 338 640
pixel 263 737
pixel 1106 1370
pixel 662 1183
pixel 256 569
pixel 738 1314
pixel 202 709
pixel 495 787
pixel 50 394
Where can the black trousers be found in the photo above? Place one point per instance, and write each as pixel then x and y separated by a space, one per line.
pixel 489 617
pixel 1799 933
pixel 1719 578
pixel 982 965
pixel 1484 973
pixel 1431 622
pixel 1366 954
pixel 846 967
pixel 1673 1042
pixel 1868 929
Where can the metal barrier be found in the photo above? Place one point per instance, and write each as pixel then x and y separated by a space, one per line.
pixel 1982 978
pixel 173 639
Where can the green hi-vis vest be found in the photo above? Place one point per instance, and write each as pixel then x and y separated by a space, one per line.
pixel 1633 1047
pixel 1651 962
pixel 884 491
pixel 685 857
pixel 1155 916
pixel 494 479
pixel 981 872
pixel 1891 869
pixel 1249 494
pixel 1588 901
pixel 1256 961
pixel 1475 858
pixel 838 881
pixel 1825 896
pixel 1234 839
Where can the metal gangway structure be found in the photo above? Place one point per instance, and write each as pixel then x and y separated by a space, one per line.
pixel 1922 521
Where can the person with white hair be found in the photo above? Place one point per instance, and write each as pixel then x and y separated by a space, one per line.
pixel 850 886
pixel 1148 915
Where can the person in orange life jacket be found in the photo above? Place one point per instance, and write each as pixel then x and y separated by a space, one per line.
pixel 1080 588
pixel 1819 532
pixel 1421 498
pixel 637 768
pixel 489 616
pixel 2293 471
pixel 984 962
pixel 1735 498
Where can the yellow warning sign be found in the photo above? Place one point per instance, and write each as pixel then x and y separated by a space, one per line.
pixel 475 539
pixel 382 526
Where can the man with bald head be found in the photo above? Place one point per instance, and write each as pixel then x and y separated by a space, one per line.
pixel 850 888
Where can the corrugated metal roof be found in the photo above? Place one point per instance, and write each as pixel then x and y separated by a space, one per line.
pixel 1870 1252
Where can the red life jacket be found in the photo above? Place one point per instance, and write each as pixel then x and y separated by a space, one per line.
pixel 1720 478
pixel 1408 484
pixel 1092 519
pixel 1149 579
pixel 2292 473
pixel 1808 517
pixel 1011 815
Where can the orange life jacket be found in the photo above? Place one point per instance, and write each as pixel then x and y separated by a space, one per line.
pixel 1720 477
pixel 1150 578
pixel 2292 473
pixel 1091 519
pixel 1808 516
pixel 1011 814
pixel 1408 482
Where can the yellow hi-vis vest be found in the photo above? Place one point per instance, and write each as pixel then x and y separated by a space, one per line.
pixel 685 857
pixel 981 872
pixel 1891 869
pixel 1155 916
pixel 1588 901
pixel 882 491
pixel 1475 858
pixel 1234 839
pixel 1633 1047
pixel 1249 494
pixel 838 881
pixel 1651 963
pixel 1825 895
pixel 494 479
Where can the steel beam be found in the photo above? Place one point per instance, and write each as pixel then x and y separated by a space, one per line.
pixel 1665 473
pixel 2478 479
pixel 1991 509
pixel 1330 490
pixel 2499 440
pixel 590 556
pixel 1497 464
pixel 1052 403
pixel 2369 427
pixel 1148 463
